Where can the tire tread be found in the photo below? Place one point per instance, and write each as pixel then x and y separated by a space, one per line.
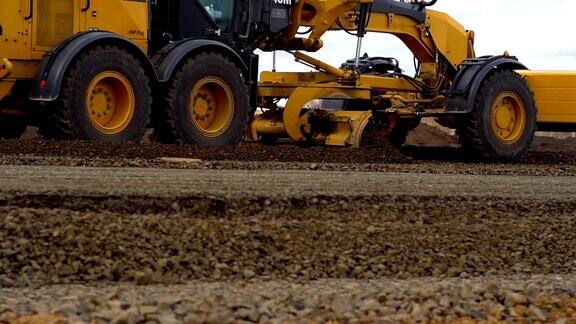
pixel 470 131
pixel 167 129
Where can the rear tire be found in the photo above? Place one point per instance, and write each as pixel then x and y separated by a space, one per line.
pixel 206 103
pixel 502 125
pixel 105 96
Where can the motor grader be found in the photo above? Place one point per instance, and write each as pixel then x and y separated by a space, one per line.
pixel 107 69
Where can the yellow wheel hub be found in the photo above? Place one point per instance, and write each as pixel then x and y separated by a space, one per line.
pixel 110 102
pixel 508 117
pixel 211 106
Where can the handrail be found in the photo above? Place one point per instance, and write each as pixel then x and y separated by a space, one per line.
pixel 31 11
pixel 88 4
pixel 423 4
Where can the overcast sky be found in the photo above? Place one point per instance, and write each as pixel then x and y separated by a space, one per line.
pixel 539 33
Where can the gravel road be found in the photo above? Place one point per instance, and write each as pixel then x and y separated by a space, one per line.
pixel 519 298
pixel 229 184
pixel 125 233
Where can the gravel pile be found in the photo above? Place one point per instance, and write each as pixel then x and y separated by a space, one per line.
pixel 520 299
pixel 165 241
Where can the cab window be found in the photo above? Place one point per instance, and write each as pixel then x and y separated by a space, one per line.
pixel 221 11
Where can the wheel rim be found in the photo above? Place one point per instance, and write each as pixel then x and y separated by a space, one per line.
pixel 110 102
pixel 211 106
pixel 508 117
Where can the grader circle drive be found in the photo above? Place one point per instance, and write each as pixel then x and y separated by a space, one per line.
pixel 108 69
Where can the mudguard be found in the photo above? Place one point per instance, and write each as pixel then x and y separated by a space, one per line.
pixel 55 63
pixel 167 60
pixel 461 97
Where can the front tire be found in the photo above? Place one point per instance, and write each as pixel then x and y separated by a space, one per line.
pixel 206 103
pixel 502 125
pixel 105 96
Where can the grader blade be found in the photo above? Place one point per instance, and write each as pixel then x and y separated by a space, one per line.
pixel 335 128
pixel 348 128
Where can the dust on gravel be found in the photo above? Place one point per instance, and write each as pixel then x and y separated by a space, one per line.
pixel 518 298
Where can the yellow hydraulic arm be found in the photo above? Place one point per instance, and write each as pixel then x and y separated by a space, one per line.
pixel 438 33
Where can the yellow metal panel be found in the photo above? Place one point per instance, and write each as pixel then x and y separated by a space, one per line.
pixel 408 31
pixel 16 37
pixel 293 118
pixel 450 37
pixel 127 18
pixel 55 21
pixel 554 93
pixel 24 69
pixel 556 107
pixel 550 79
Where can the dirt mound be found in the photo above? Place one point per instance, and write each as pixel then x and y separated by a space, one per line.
pixel 432 135
pixel 427 135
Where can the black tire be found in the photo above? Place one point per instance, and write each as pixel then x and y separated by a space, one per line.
pixel 173 121
pixel 11 128
pixel 68 116
pixel 476 133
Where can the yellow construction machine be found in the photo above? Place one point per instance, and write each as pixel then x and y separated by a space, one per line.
pixel 494 102
pixel 108 69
